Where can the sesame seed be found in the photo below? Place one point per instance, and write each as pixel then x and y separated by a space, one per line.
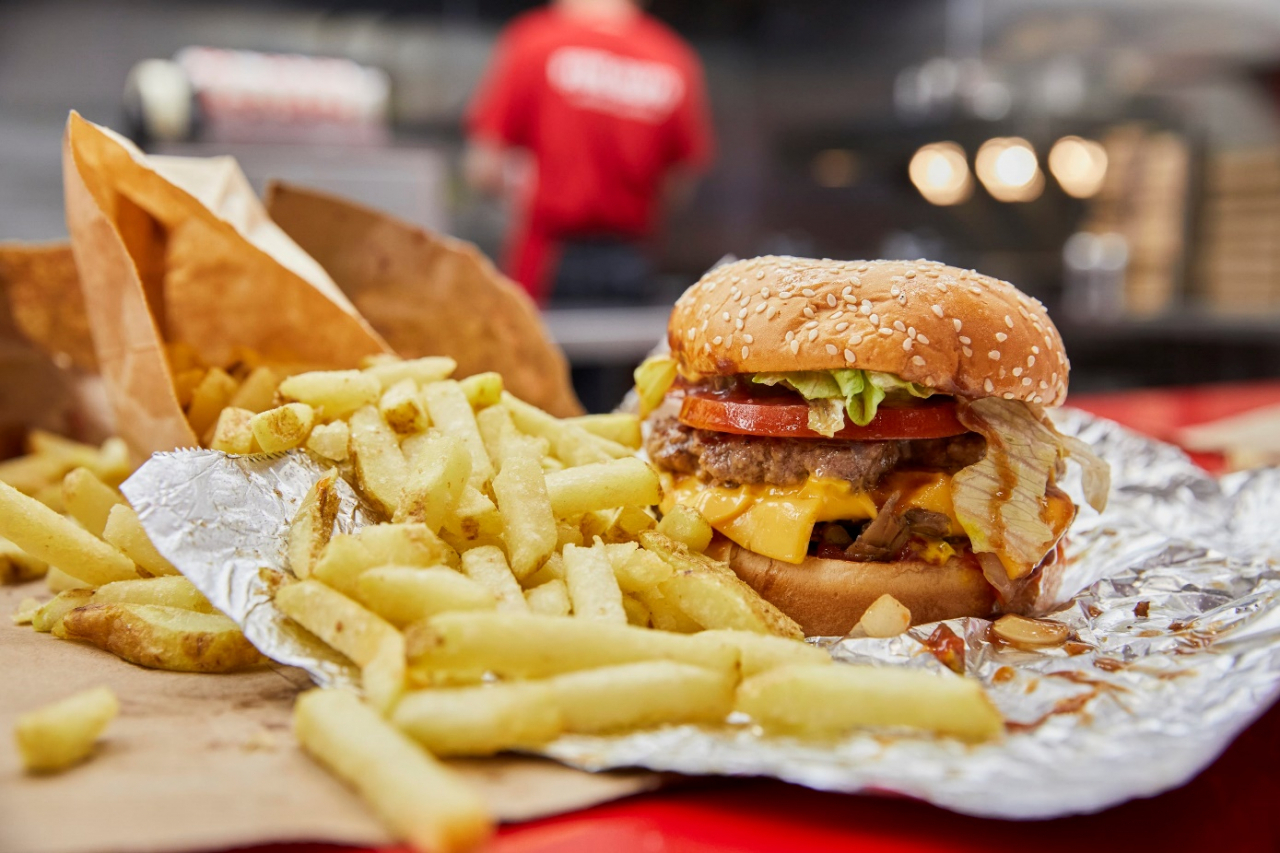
pixel 1008 321
pixel 987 386
pixel 832 349
pixel 717 340
pixel 748 339
pixel 840 327
pixel 911 331
pixel 742 313
pixel 746 298
pixel 886 331
pixel 1026 380
pixel 737 324
pixel 907 343
pixel 746 351
pixel 764 291
pixel 728 342
pixel 917 361
pixel 1008 395
pixel 976 291
pixel 855 339
pixel 704 325
pixel 850 298
pixel 813 335
pixel 761 307
pixel 937 310
pixel 965 339
pixel 942 285
pixel 849 356
pixel 895 290
pixel 910 273
pixel 769 312
pixel 790 336
pixel 865 308
pixel 1044 386
pixel 922 339
pixel 994 355
pixel 1031 361
pixel 759 274
pixel 795 347
pixel 1035 350
pixel 836 315
pixel 899 325
pixel 1003 373
pixel 831 300
pixel 784 294
pixel 1017 371
pixel 968 353
pixel 689 334
pixel 812 324
pixel 706 347
pixel 955 321
pixel 808 311
pixel 808 291
pixel 1036 399
pixel 1001 337
pixel 725 316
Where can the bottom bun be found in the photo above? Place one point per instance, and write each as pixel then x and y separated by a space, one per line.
pixel 828 597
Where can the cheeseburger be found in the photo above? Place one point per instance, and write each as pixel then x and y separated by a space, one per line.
pixel 851 429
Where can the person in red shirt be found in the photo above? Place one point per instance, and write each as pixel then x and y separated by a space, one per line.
pixel 611 105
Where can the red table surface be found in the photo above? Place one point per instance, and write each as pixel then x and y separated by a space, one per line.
pixel 1234 805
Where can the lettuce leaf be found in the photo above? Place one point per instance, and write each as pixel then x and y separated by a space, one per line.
pixel 998 499
pixel 859 392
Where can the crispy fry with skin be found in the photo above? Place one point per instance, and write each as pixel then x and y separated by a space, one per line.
pixel 161 637
pixel 312 526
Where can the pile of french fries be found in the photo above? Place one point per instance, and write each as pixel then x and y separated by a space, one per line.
pixel 518 589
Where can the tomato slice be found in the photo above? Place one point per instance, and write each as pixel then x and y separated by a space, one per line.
pixel 786 416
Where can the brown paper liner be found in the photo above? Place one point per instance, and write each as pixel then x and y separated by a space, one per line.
pixel 180 250
pixel 428 294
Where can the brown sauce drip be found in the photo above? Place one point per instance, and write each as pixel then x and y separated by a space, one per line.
pixel 1003 674
pixel 947 646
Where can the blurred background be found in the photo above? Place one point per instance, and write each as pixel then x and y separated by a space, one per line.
pixel 1120 160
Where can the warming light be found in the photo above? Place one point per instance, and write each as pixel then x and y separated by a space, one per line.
pixel 941 173
pixel 1080 165
pixel 1008 168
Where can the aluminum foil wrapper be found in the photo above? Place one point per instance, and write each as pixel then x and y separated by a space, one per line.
pixel 1170 595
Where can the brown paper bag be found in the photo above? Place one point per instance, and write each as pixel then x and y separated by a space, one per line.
pixel 208 762
pixel 175 250
pixel 428 294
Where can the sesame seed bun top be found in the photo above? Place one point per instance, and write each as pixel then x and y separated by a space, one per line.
pixel 953 330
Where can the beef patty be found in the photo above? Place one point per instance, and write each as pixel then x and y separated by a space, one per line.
pixel 725 459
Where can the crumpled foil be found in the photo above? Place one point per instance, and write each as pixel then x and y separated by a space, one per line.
pixel 1171 597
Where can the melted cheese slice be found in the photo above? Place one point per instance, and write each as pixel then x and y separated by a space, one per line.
pixel 777 521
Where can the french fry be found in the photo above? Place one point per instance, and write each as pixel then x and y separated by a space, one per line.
pixel 233 433
pixel 51 496
pixel 124 530
pixel 423 802
pixel 665 615
pixel 258 391
pixel 823 701
pixel 162 637
pixel 529 525
pixel 629 523
pixel 607 485
pixel 340 622
pixel 17 566
pixel 595 524
pixel 49 614
pixel 480 720
pixel 642 695
pixel 593 589
pixel 63 733
pixel 763 652
pixel 552 569
pixel 514 645
pixel 406 544
pixel 380 466
pixel 488 568
pixel 401 408
pixel 312 526
pixel 568 534
pixel 89 500
pixel 59 581
pixel 712 595
pixel 636 569
pixel 283 428
pixel 330 441
pixel 404 594
pixel 167 592
pixel 434 486
pixel 637 613
pixel 498 433
pixel 110 462
pixel 886 617
pixel 476 519
pixel 421 370
pixel 210 397
pixel 335 393
pixel 31 473
pixel 549 599
pixel 618 427
pixel 26 611
pixel 383 676
pixel 572 444
pixel 185 382
pixel 685 524
pixel 482 389
pixel 342 562
pixel 47 536
pixel 451 413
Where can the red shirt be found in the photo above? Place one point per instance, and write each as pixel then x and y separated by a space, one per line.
pixel 606 110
